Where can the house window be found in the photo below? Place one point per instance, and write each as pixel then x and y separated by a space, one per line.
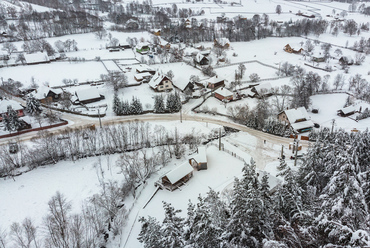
pixel 167 86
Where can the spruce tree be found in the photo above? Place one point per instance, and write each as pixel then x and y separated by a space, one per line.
pixel 33 105
pixel 125 108
pixel 117 105
pixel 150 234
pixel 159 106
pixel 11 120
pixel 136 107
pixel 172 228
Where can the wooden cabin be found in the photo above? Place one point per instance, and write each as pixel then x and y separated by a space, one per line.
pixel 224 94
pixel 176 178
pixel 289 49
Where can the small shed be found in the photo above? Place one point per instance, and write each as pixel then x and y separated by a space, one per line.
pixel 224 94
pixel 142 48
pixel 289 49
pixel 261 90
pixel 144 68
pixel 200 59
pixel 199 161
pixel 347 111
pixel 177 177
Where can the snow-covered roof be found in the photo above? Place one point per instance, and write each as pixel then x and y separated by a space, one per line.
pixel 36 58
pixel 201 157
pixel 265 86
pixel 43 92
pixel 349 109
pixel 179 172
pixel 214 80
pixel 141 45
pixel 144 68
pixel 141 76
pixel 199 57
pixel 5 103
pixel 224 92
pixel 87 94
pixel 249 92
pixel 297 114
pixel 156 79
pixel 302 125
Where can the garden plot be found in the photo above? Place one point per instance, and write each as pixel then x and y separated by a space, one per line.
pixel 54 73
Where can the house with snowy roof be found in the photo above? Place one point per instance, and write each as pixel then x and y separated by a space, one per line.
pixel 199 161
pixel 142 76
pixel 142 48
pixel 347 111
pixel 215 82
pixel 176 177
pixel 289 49
pixel 16 106
pixel 297 118
pixel 160 82
pixel 200 59
pixel 36 58
pixel 46 95
pixel 87 96
pixel 223 94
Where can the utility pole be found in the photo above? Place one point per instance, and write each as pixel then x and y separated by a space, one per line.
pixel 332 125
pixel 181 114
pixel 282 151
pixel 219 139
pixel 296 153
pixel 99 117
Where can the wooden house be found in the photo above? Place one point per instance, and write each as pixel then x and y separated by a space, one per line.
pixel 298 119
pixel 16 106
pixel 289 49
pixel 224 94
pixel 215 82
pixel 160 82
pixel 177 177
pixel 199 161
pixel 48 95
pixel 200 59
pixel 318 57
pixel 347 111
pixel 87 96
pixel 222 43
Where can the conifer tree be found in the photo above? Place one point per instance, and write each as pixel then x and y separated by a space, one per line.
pixel 125 108
pixel 136 107
pixel 33 105
pixel 11 120
pixel 172 228
pixel 159 106
pixel 117 104
pixel 150 234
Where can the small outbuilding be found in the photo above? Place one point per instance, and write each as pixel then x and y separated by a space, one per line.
pixel 289 49
pixel 215 82
pixel 199 161
pixel 142 76
pixel 36 58
pixel 262 90
pixel 16 106
pixel 200 59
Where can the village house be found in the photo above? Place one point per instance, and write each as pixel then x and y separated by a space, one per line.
pixel 222 43
pixel 289 49
pixel 200 59
pixel 176 178
pixel 224 94
pixel 160 82
pixel 347 111
pixel 87 96
pixel 215 82
pixel 199 161
pixel 16 106
pixel 142 48
pixel 346 60
pixel 318 57
pixel 298 119
pixel 47 95
pixel 36 58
